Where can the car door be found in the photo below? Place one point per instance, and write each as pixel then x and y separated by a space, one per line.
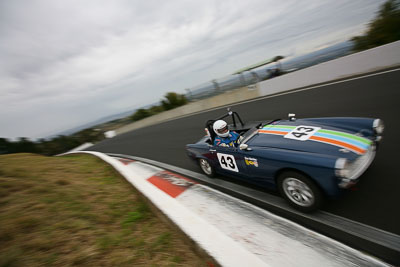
pixel 229 161
pixel 258 166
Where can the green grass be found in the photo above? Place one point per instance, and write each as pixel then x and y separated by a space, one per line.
pixel 77 210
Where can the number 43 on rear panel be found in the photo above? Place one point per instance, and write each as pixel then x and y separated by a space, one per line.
pixel 302 133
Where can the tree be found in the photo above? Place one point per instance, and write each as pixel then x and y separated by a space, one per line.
pixel 277 58
pixel 87 135
pixel 140 114
pixel 173 100
pixel 5 146
pixel 385 28
pixel 25 145
pixel 279 65
pixel 155 110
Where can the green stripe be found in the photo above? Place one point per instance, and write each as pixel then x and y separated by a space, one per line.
pixel 351 136
pixel 280 126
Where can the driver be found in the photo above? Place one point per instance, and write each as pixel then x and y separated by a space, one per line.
pixel 224 137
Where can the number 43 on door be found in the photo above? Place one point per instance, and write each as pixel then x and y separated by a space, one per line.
pixel 227 162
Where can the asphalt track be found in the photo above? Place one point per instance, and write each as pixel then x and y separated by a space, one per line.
pixel 375 202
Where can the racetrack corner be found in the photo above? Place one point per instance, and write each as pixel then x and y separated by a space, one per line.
pixel 229 231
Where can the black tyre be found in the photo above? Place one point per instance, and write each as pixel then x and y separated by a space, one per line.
pixel 300 191
pixel 206 167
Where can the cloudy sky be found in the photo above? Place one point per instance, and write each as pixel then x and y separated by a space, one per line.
pixel 64 63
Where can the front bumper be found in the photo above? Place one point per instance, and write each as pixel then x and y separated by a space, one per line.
pixel 357 168
pixel 347 183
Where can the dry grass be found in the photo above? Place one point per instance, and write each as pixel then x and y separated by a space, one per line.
pixel 76 210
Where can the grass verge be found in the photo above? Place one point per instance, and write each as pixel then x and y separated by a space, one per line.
pixel 77 210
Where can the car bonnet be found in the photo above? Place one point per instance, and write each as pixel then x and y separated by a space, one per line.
pixel 307 136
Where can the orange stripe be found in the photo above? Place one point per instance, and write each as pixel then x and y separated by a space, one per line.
pixel 339 143
pixel 322 139
pixel 272 132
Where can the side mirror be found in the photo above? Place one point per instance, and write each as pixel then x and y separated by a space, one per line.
pixel 244 147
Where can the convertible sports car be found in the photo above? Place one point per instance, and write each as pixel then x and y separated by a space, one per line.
pixel 305 159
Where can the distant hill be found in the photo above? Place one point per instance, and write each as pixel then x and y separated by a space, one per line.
pixel 94 123
pixel 99 121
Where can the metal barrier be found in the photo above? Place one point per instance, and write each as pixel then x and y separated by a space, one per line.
pixel 268 71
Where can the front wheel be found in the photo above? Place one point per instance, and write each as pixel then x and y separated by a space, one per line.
pixel 300 191
pixel 206 167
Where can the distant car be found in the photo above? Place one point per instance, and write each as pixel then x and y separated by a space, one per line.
pixel 305 159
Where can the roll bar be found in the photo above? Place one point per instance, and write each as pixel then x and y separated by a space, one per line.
pixel 233 114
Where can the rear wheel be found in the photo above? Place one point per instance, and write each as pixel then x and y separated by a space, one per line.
pixel 300 191
pixel 206 167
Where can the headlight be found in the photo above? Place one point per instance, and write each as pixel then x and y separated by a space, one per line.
pixel 349 171
pixel 341 167
pixel 378 126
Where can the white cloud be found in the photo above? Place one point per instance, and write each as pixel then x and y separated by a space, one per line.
pixel 65 63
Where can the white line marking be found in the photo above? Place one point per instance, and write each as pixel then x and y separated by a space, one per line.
pixel 321 85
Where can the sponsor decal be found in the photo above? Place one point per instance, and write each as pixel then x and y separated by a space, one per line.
pixel 251 161
pixel 171 183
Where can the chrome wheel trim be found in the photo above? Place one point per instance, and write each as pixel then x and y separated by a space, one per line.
pixel 205 166
pixel 298 192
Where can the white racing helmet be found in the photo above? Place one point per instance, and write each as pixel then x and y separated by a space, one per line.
pixel 221 128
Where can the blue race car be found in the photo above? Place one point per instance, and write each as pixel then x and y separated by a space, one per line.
pixel 305 159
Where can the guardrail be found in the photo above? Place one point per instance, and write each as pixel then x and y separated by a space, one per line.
pixel 371 60
pixel 266 71
pixel 378 58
